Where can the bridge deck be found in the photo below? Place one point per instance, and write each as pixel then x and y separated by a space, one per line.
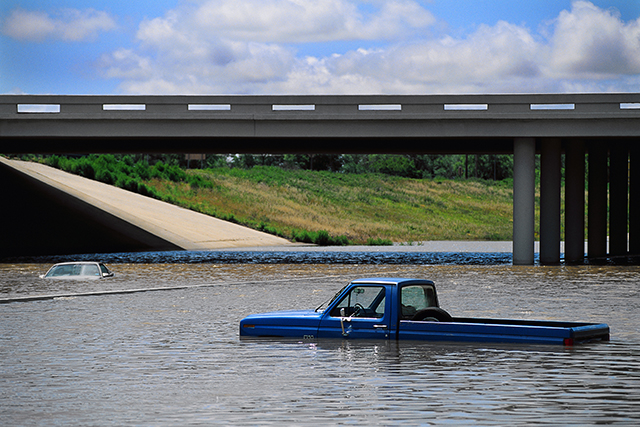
pixel 340 124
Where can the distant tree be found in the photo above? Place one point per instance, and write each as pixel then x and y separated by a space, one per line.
pixel 354 163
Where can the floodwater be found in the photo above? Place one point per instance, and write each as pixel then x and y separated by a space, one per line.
pixel 173 356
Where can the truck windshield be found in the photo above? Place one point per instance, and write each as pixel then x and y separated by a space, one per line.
pixel 324 305
pixel 361 301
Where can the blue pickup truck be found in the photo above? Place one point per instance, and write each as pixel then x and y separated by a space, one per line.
pixel 408 309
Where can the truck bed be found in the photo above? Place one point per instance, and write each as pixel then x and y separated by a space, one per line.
pixel 504 330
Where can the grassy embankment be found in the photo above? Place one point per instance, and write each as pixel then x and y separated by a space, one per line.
pixel 363 208
pixel 326 207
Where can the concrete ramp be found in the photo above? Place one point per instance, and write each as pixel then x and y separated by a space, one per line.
pixel 45 195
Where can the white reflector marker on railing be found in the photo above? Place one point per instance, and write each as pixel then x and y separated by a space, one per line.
pixel 552 106
pixel 293 107
pixel 38 108
pixel 466 107
pixel 209 107
pixel 380 107
pixel 124 107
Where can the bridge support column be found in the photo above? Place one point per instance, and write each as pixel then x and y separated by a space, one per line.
pixel 597 215
pixel 634 200
pixel 524 152
pixel 618 192
pixel 574 202
pixel 550 160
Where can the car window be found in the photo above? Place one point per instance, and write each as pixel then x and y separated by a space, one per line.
pixel 362 301
pixel 104 269
pixel 415 298
pixel 61 270
pixel 90 270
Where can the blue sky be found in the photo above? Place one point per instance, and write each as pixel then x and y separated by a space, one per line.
pixel 319 46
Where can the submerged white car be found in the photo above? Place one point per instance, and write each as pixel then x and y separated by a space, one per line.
pixel 78 270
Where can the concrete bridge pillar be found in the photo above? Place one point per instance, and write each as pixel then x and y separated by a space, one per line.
pixel 524 152
pixel 550 163
pixel 574 202
pixel 618 192
pixel 634 200
pixel 597 215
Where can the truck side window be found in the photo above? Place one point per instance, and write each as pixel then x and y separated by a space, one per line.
pixel 415 298
pixel 362 301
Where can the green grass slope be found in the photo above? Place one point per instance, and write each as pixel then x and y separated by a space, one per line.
pixel 360 208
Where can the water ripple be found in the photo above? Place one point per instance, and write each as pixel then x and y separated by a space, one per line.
pixel 286 257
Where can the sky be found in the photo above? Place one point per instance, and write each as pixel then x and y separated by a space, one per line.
pixel 209 47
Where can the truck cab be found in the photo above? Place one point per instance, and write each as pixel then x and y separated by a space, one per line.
pixel 365 308
pixel 370 308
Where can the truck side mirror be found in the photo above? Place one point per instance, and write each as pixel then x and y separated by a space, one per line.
pixel 343 313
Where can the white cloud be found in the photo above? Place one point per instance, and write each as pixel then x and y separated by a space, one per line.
pixel 226 46
pixel 595 43
pixel 589 49
pixel 303 21
pixel 67 24
pixel 490 53
pixel 126 64
pixel 23 25
pixel 229 46
pixel 243 67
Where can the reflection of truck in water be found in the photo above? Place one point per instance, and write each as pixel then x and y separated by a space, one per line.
pixel 408 309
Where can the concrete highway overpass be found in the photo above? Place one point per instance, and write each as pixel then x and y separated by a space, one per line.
pixel 606 127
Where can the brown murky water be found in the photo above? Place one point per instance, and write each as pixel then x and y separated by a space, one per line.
pixel 173 357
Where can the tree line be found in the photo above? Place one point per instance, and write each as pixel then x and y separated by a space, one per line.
pixel 488 166
pixel 426 166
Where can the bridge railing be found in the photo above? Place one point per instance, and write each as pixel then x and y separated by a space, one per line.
pixel 624 104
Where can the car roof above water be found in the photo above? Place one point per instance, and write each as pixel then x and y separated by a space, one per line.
pixel 77 262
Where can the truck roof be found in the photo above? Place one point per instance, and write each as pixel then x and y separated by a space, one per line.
pixel 390 281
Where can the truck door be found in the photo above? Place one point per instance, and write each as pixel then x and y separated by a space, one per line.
pixel 363 312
